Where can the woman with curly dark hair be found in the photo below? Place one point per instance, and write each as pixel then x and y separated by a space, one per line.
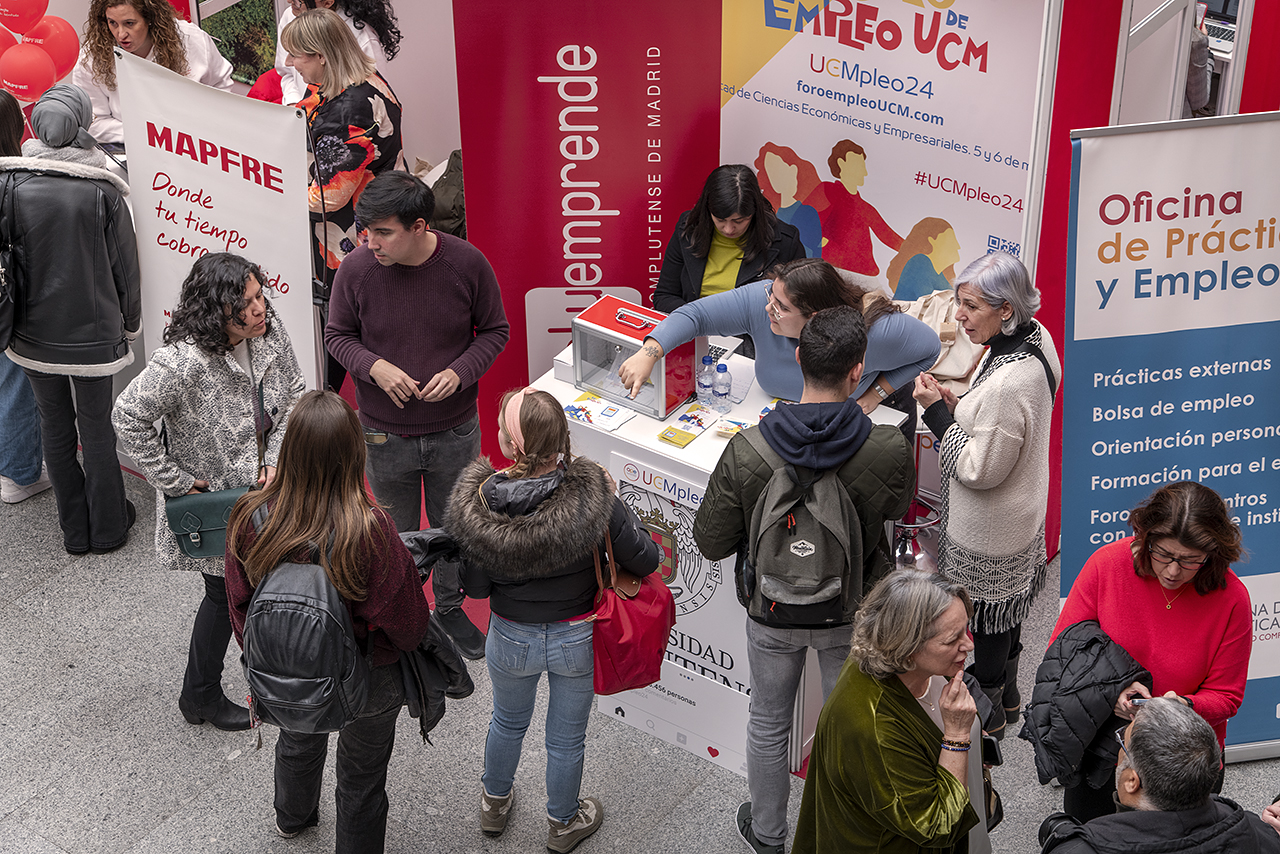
pixel 152 30
pixel 373 22
pixel 221 389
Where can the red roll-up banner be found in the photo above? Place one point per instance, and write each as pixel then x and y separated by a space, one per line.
pixel 587 129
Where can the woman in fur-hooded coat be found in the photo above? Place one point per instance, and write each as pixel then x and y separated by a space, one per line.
pixel 527 535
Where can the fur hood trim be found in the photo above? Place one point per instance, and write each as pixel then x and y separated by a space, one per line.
pixel 62 167
pixel 565 528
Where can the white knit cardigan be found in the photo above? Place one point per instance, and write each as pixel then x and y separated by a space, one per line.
pixel 995 481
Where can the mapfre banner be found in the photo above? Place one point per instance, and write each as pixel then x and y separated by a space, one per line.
pixel 588 128
pixel 214 172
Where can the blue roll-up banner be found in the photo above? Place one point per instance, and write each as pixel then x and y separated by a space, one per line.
pixel 1173 353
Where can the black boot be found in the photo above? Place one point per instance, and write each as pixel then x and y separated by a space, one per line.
pixel 469 639
pixel 222 713
pixel 1012 700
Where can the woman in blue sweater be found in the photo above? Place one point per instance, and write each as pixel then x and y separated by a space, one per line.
pixel 773 312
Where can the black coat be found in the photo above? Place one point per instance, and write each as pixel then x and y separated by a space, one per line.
pixel 75 262
pixel 527 543
pixel 1070 720
pixel 681 278
pixel 1219 827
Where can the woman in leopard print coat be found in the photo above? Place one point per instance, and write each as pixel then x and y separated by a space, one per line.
pixel 224 342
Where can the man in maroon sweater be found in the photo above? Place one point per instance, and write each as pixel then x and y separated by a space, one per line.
pixel 416 317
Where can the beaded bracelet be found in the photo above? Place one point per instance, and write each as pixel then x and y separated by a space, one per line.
pixel 964 749
pixel 954 743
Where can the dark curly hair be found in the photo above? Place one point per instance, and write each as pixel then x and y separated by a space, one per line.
pixel 373 13
pixel 162 27
pixel 212 294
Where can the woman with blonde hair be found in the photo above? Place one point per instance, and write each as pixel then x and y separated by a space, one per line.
pixel 318 496
pixel 152 30
pixel 528 534
pixel 372 22
pixel 896 765
pixel 353 121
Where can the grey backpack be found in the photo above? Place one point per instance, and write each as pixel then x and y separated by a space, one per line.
pixel 804 546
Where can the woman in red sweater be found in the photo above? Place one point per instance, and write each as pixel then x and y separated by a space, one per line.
pixel 1168 596
pixel 318 496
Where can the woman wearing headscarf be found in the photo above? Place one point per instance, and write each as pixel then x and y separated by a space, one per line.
pixel 78 308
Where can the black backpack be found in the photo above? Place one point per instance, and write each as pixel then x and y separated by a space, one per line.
pixel 306 672
pixel 803 565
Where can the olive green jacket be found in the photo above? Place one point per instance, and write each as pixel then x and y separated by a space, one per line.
pixel 874 783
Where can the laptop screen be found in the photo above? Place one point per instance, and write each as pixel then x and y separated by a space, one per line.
pixel 1223 10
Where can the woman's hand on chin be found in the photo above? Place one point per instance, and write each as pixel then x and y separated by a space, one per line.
pixel 958 709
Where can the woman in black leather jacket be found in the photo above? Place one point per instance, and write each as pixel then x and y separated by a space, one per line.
pixel 527 535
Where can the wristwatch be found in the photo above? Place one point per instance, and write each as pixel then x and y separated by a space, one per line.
pixel 880 389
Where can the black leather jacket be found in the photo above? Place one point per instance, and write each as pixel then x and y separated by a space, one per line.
pixel 75 263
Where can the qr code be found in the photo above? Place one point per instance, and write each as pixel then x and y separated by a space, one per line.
pixel 999 244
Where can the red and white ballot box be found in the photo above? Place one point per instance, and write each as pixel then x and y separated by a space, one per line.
pixel 609 332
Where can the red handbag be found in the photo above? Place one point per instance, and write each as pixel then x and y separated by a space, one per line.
pixel 632 621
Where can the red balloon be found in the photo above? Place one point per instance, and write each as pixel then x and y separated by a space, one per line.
pixel 21 15
pixel 58 39
pixel 7 40
pixel 26 71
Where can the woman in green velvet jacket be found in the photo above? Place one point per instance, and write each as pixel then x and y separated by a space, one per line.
pixel 891 769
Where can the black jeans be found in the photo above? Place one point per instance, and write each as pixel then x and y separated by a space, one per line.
pixel 364 748
pixel 210 637
pixel 91 502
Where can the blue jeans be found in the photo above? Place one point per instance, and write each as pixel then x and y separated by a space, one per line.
pixel 364 748
pixel 91 502
pixel 776 657
pixel 20 452
pixel 402 471
pixel 518 654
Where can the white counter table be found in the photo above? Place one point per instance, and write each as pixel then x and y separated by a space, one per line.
pixel 701 701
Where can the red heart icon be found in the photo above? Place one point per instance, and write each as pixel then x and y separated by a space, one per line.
pixel 714 753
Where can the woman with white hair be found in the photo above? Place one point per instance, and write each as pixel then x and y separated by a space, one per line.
pixel 896 765
pixel 994 461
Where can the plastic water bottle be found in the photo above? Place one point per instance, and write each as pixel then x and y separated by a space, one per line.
pixel 720 389
pixel 706 376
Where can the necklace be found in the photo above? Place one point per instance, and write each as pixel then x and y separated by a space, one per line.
pixel 922 699
pixel 1168 603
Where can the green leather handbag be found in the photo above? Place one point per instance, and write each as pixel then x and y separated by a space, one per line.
pixel 199 520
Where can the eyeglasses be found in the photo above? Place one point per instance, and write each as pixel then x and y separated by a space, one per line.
pixel 1164 559
pixel 1120 735
pixel 775 308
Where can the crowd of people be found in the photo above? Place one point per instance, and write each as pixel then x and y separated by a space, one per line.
pixel 414 317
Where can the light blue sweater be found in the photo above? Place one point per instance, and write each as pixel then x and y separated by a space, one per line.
pixel 898 347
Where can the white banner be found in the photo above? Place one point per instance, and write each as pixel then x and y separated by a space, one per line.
pixel 1172 322
pixel 701 701
pixel 935 100
pixel 214 172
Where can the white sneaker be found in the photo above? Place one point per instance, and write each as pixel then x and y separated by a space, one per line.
pixel 12 493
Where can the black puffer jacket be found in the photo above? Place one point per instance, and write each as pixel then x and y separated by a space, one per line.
pixel 76 264
pixel 527 543
pixel 1070 721
pixel 1219 827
